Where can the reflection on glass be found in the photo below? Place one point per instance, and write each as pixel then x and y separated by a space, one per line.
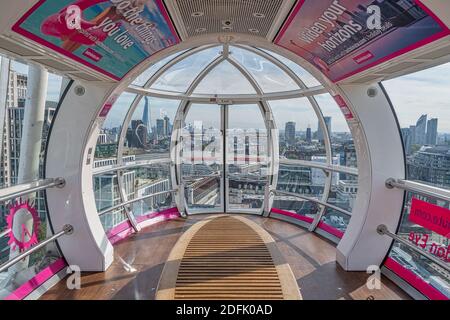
pixel 304 75
pixel 336 219
pixel 430 241
pixel 180 76
pixel 143 78
pixel 225 79
pixel 269 77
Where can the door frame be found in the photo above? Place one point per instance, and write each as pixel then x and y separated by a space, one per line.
pixel 272 156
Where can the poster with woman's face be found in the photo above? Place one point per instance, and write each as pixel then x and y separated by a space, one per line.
pixel 110 36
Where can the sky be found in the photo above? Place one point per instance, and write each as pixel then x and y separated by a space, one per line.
pixel 424 92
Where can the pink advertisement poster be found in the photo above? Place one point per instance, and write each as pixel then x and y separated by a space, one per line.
pixel 345 37
pixel 109 36
pixel 431 217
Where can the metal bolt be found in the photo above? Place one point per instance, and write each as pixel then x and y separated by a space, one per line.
pixel 61 182
pixel 382 229
pixel 80 90
pixel 390 183
pixel 68 229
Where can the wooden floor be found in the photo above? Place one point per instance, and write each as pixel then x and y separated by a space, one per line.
pixel 226 258
pixel 140 259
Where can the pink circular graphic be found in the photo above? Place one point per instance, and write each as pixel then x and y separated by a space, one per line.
pixel 27 238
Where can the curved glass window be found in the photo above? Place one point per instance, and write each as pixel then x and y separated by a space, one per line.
pixel 150 129
pixel 13 173
pixel 304 75
pixel 225 158
pixel 300 134
pixel 108 141
pixel 421 101
pixel 143 78
pixel 180 76
pixel 225 79
pixel 268 76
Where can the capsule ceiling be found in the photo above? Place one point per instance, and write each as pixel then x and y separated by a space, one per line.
pixel 227 70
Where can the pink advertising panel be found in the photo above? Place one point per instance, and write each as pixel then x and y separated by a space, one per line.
pixel 109 36
pixel 431 217
pixel 345 37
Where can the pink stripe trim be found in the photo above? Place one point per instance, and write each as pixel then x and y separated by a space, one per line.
pixel 331 230
pixel 426 289
pixel 125 229
pixel 289 21
pixel 37 280
pixel 293 215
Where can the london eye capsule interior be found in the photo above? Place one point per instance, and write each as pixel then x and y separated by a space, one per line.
pixel 227 149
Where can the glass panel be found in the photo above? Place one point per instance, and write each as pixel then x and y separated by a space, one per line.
pixel 108 140
pixel 336 219
pixel 343 191
pixel 420 101
pixel 149 133
pixel 306 181
pixel 307 78
pixel 180 76
pixel 247 157
pixel 303 208
pixel 295 120
pixel 12 134
pixel 342 143
pixel 421 104
pixel 428 240
pixel 143 78
pixel 225 79
pixel 269 77
pixel 202 158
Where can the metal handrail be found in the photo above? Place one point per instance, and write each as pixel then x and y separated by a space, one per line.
pixel 383 230
pixel 4 233
pixel 325 204
pixel 121 205
pixel 130 165
pixel 319 165
pixel 26 188
pixel 417 187
pixel 67 229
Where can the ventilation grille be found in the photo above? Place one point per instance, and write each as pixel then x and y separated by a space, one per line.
pixel 226 259
pixel 253 17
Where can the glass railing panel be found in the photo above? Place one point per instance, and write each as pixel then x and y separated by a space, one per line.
pixel 144 181
pixel 297 208
pixel 427 236
pixel 301 180
pixel 336 222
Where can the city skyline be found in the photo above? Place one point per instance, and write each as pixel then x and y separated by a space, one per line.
pixel 431 88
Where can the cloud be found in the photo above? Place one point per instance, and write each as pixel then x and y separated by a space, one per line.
pixel 424 92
